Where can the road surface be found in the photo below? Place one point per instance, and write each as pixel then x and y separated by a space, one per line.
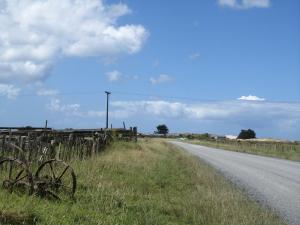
pixel 274 182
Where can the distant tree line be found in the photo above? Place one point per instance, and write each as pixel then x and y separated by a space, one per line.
pixel 244 134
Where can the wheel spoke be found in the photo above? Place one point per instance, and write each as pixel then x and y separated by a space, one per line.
pixel 63 172
pixel 50 193
pixel 52 171
pixel 19 174
pixel 17 180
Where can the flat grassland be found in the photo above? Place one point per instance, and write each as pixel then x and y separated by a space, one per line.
pixel 148 182
pixel 282 150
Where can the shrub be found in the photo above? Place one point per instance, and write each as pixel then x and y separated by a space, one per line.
pixel 247 134
pixel 162 129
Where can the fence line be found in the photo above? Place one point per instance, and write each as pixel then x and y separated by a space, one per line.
pixel 43 144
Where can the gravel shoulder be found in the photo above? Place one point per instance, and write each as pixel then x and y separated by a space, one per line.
pixel 273 182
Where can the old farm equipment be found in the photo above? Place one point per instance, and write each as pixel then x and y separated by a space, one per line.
pixel 37 160
pixel 53 179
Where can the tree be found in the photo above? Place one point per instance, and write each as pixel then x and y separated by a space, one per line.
pixel 162 129
pixel 247 134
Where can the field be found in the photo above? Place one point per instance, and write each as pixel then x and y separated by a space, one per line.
pixel 148 182
pixel 283 150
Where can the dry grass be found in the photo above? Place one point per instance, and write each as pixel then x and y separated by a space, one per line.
pixel 145 183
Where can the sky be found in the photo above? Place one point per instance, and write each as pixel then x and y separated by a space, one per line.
pixel 214 66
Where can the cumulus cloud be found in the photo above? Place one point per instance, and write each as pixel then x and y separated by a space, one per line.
pixel 9 91
pixel 113 76
pixel 34 33
pixel 234 110
pixel 245 4
pixel 74 109
pixel 267 116
pixel 251 98
pixel 242 113
pixel 163 78
pixel 55 105
pixel 176 109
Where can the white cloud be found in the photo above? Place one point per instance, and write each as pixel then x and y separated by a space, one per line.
pixel 251 98
pixel 55 105
pixel 194 56
pixel 163 78
pixel 94 113
pixel 9 91
pixel 242 113
pixel 47 92
pixel 227 110
pixel 245 4
pixel 256 3
pixel 74 109
pixel 264 116
pixel 229 3
pixel 174 109
pixel 113 76
pixel 35 33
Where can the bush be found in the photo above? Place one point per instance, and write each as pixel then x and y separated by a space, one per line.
pixel 162 129
pixel 247 134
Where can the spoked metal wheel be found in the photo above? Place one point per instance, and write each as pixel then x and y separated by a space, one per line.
pixel 55 179
pixel 14 175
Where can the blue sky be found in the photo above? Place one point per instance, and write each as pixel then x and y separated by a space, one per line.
pixel 199 66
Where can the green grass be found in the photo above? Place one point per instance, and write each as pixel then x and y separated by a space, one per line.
pixel 146 183
pixel 282 150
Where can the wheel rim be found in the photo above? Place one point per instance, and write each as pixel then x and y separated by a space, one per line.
pixel 14 175
pixel 56 178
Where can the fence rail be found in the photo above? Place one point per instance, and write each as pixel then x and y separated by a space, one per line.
pixel 41 144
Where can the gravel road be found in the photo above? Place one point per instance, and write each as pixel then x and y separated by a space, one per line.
pixel 274 182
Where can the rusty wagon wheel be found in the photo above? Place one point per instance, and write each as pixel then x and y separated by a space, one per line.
pixel 55 179
pixel 15 175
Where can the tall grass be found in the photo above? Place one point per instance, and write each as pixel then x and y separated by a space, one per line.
pixel 144 183
pixel 283 150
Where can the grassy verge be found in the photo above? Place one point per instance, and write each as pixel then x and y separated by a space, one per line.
pixel 280 150
pixel 146 183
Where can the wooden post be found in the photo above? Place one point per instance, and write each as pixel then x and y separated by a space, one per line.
pixel 3 145
pixel 58 152
pixel 135 133
pixel 94 145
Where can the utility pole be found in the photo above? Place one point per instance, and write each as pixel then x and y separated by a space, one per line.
pixel 107 98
